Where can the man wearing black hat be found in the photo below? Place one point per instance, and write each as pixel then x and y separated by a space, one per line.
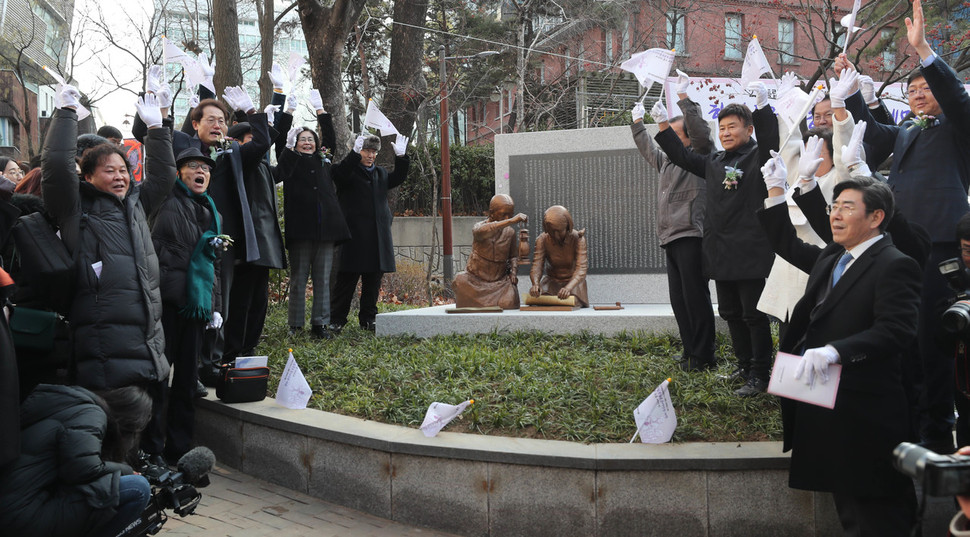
pixel 362 190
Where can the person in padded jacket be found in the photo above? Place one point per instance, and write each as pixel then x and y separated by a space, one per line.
pixel 186 233
pixel 71 479
pixel 116 313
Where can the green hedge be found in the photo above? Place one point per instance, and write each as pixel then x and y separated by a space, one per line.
pixel 472 181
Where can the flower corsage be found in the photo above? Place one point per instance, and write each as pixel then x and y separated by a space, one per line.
pixel 731 177
pixel 924 120
pixel 221 242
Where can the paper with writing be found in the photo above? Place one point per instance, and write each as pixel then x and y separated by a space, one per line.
pixel 784 384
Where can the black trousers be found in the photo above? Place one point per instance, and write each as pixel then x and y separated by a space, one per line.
pixel 884 516
pixel 343 294
pixel 213 341
pixel 737 303
pixel 690 297
pixel 247 313
pixel 936 396
pixel 171 429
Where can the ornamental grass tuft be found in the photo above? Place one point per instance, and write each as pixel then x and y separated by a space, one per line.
pixel 580 388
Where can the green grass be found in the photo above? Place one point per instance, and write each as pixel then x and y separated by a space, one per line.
pixel 581 388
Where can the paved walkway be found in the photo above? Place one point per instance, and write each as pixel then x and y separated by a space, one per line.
pixel 238 505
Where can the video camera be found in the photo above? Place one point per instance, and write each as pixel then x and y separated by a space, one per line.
pixel 171 490
pixel 956 318
pixel 939 475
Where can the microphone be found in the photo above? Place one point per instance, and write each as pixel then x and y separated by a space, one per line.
pixel 196 464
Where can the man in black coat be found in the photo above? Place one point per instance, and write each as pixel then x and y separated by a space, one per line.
pixel 858 310
pixel 737 255
pixel 362 189
pixel 930 176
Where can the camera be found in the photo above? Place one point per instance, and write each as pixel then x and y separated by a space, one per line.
pixel 956 318
pixel 174 490
pixel 939 475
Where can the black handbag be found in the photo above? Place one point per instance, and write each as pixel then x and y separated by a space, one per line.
pixel 33 329
pixel 45 265
pixel 242 385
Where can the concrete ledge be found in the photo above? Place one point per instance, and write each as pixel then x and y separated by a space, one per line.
pixel 495 486
pixel 435 321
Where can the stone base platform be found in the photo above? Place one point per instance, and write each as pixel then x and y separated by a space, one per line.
pixel 435 321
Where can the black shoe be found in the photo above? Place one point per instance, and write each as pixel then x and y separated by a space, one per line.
pixel 693 363
pixel 335 328
pixel 740 374
pixel 200 390
pixel 319 331
pixel 370 326
pixel 295 330
pixel 753 387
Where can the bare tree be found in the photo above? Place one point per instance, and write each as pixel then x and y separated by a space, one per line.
pixel 225 34
pixel 264 17
pixel 326 30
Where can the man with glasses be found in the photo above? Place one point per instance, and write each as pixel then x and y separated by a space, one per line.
pixel 930 176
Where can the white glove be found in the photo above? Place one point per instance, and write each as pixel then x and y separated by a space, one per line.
pixel 847 84
pixel 271 110
pixel 153 81
pixel 276 76
pixel 788 82
pixel 400 145
pixel 868 89
pixel 683 82
pixel 761 92
pixel 816 362
pixel 774 172
pixel 810 158
pixel 216 322
pixel 292 136
pixel 291 102
pixel 194 101
pixel 238 99
pixel 149 111
pixel 658 112
pixel 852 153
pixel 208 69
pixel 164 95
pixel 638 111
pixel 359 143
pixel 316 102
pixel 67 97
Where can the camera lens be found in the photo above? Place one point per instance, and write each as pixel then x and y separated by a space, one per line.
pixel 909 459
pixel 956 318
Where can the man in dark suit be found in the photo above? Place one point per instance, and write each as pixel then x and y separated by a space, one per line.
pixel 930 175
pixel 858 309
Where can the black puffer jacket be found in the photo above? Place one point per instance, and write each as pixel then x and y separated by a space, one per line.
pixel 115 317
pixel 59 486
pixel 175 232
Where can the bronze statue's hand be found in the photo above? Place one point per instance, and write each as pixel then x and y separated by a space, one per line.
pixel 564 293
pixel 514 279
pixel 535 291
pixel 522 217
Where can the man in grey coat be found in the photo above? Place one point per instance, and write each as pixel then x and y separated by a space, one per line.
pixel 680 227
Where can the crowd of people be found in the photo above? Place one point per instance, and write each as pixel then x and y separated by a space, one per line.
pixel 860 287
pixel 167 281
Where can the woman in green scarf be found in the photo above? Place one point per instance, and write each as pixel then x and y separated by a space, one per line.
pixel 186 233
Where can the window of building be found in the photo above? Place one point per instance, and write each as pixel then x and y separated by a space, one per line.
pixel 608 46
pixel 786 40
pixel 889 51
pixel 732 36
pixel 6 132
pixel 676 24
pixel 53 42
pixel 625 38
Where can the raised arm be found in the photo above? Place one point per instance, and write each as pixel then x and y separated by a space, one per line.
pixel 698 129
pixel 766 130
pixel 59 179
pixel 673 147
pixel 160 172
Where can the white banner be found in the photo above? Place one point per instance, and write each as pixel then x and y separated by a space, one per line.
pixel 755 63
pixel 650 66
pixel 441 414
pixel 655 417
pixel 294 391
pixel 377 120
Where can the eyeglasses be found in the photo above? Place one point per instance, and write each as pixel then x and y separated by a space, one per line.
pixel 194 165
pixel 844 208
pixel 965 250
pixel 214 120
pixel 913 92
pixel 308 139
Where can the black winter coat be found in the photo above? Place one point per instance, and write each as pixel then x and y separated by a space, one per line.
pixel 363 199
pixel 59 486
pixel 115 317
pixel 176 230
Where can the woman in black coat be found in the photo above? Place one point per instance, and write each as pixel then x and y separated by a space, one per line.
pixel 314 222
pixel 186 235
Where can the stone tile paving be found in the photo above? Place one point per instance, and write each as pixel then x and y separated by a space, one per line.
pixel 237 505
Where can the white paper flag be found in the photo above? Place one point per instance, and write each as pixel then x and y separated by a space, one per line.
pixel 649 66
pixel 439 415
pixel 791 104
pixel 755 63
pixel 655 417
pixel 377 120
pixel 848 22
pixel 82 112
pixel 293 391
pixel 293 67
pixel 172 53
